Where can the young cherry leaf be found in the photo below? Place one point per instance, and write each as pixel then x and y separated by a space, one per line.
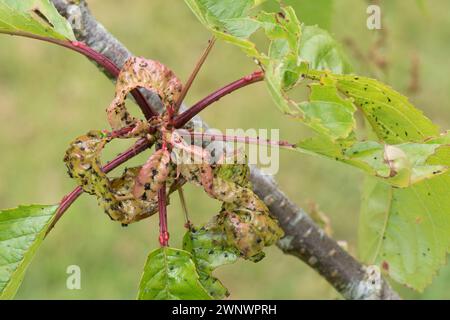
pixel 141 73
pixel 34 17
pixel 114 195
pixel 21 232
pixel 170 274
pixel 322 52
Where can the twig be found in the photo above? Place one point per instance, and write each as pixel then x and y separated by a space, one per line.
pixel 187 115
pixel 187 221
pixel 194 73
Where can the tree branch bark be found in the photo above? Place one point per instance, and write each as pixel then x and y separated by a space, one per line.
pixel 303 238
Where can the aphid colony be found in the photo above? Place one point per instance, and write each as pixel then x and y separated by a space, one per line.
pixel 244 218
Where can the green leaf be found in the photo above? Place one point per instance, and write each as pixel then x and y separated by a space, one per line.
pixel 210 250
pixel 392 117
pixel 21 232
pixel 405 231
pixel 322 51
pixel 36 17
pixel 399 165
pixel 170 274
pixel 328 113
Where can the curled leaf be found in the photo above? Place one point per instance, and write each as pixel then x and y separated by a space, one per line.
pixel 115 195
pixel 210 250
pixel 153 175
pixel 142 73
pixel 244 217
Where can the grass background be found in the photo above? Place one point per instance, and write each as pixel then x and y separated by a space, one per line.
pixel 48 96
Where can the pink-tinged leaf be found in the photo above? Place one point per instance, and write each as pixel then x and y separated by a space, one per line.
pixel 142 73
pixel 152 175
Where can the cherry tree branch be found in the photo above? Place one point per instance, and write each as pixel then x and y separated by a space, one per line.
pixel 303 239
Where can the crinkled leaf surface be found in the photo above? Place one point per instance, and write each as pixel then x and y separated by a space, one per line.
pixel 21 232
pixel 210 250
pixel 37 17
pixel 170 274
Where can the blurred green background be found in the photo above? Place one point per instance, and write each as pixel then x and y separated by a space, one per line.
pixel 49 95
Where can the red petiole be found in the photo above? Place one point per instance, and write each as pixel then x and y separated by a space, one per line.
pixel 187 115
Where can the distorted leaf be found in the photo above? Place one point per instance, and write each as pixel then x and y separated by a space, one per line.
pixel 114 195
pixel 141 73
pixel 153 175
pixel 210 250
pixel 399 165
